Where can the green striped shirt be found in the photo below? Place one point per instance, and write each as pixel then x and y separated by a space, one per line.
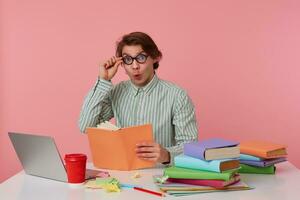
pixel 163 104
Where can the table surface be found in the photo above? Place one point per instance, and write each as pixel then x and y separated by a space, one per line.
pixel 284 185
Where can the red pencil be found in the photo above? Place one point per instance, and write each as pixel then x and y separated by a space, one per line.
pixel 149 191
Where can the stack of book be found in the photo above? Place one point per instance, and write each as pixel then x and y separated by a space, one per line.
pixel 206 166
pixel 260 157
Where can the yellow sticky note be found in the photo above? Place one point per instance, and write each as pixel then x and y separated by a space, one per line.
pixel 111 187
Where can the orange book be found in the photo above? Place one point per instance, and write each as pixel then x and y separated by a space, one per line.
pixel 115 149
pixel 263 149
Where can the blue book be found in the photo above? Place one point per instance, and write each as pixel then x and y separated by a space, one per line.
pixel 223 165
pixel 250 157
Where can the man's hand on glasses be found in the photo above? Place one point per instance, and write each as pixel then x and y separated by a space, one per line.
pixel 109 68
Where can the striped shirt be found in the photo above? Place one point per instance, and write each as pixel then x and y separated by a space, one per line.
pixel 163 104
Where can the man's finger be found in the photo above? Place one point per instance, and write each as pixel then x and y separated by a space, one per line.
pixel 146 149
pixel 118 62
pixel 150 159
pixel 145 144
pixel 147 155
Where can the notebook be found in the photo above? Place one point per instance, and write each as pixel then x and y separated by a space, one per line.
pixel 39 156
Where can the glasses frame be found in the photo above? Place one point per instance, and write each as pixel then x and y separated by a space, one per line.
pixel 134 58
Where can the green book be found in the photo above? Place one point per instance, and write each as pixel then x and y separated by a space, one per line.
pixel 184 173
pixel 247 169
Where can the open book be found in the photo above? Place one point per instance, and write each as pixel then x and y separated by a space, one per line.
pixel 114 148
pixel 108 126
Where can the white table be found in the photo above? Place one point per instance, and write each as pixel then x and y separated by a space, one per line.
pixel 282 186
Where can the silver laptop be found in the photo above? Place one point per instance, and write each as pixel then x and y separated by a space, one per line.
pixel 40 157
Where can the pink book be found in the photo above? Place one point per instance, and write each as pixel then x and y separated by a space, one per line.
pixel 211 183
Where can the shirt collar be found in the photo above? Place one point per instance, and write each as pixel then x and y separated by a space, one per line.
pixel 147 88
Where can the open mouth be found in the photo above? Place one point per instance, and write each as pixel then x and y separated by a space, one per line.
pixel 137 76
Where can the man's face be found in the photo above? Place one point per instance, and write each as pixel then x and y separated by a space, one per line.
pixel 140 71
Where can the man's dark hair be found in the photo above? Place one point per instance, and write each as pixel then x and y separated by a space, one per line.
pixel 139 38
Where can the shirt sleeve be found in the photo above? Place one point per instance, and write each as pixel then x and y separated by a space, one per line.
pixel 96 107
pixel 185 125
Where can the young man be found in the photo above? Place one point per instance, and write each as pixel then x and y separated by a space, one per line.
pixel 141 100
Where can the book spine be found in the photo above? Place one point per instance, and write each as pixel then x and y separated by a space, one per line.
pixel 253 163
pixel 263 163
pixel 247 169
pixel 174 172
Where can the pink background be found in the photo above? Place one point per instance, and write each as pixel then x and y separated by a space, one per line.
pixel 238 60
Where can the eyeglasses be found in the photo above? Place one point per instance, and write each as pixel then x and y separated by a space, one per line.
pixel 140 58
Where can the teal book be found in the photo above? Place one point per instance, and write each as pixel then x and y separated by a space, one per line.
pixel 250 157
pixel 248 169
pixel 212 165
pixel 178 172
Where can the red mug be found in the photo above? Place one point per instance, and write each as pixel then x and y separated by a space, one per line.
pixel 76 166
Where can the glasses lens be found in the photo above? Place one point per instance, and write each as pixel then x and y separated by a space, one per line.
pixel 127 60
pixel 141 58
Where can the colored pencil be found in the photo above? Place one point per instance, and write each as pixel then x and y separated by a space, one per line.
pixel 149 191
